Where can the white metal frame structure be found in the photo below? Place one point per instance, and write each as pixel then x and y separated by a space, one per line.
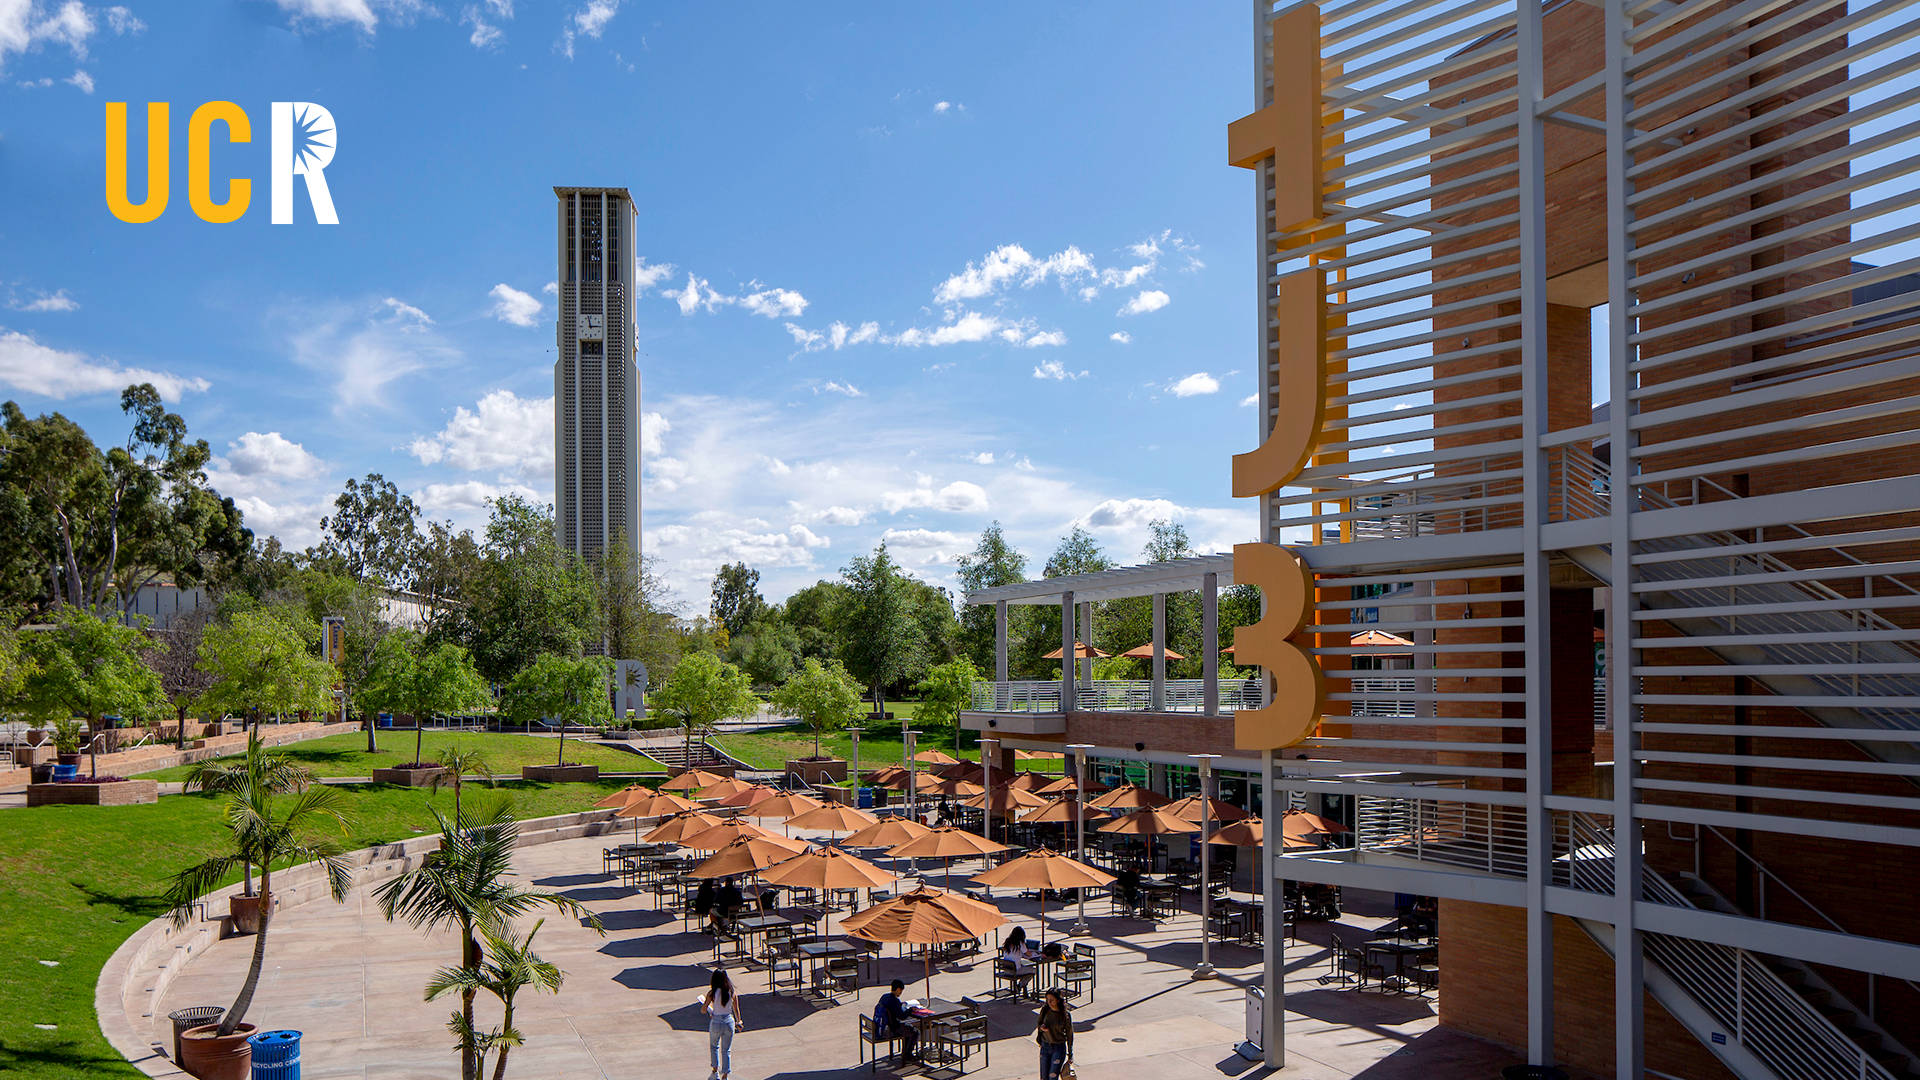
pixel 1735 181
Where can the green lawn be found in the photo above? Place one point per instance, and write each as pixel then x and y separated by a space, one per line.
pixel 346 755
pixel 880 744
pixel 78 880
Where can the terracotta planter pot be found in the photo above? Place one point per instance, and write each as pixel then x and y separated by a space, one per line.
pixel 205 1054
pixel 245 912
pixel 69 759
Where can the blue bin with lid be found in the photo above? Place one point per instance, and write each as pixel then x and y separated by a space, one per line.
pixel 864 798
pixel 62 773
pixel 276 1055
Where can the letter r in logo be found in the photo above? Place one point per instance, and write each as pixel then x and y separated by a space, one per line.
pixel 303 145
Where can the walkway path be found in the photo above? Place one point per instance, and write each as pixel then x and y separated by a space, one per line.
pixel 351 982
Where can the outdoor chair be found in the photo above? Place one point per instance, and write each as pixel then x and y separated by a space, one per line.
pixel 1075 977
pixel 727 945
pixel 1007 978
pixel 841 975
pixel 868 956
pixel 959 1037
pixel 776 941
pixel 872 1036
pixel 608 857
pixel 1424 976
pixel 784 973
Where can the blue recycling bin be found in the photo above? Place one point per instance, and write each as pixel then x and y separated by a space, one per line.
pixel 276 1055
pixel 65 772
pixel 864 798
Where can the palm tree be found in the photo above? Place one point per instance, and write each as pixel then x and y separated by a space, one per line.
pixel 466 885
pixel 275 772
pixel 456 764
pixel 510 967
pixel 269 823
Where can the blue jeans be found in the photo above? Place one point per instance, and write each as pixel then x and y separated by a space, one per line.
pixel 720 1042
pixel 1053 1058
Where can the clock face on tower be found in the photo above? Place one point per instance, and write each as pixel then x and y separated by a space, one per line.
pixel 592 328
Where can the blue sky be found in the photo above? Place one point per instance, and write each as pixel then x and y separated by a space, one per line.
pixel 1019 215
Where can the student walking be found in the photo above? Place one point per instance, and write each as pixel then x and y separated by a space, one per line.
pixel 1055 1035
pixel 722 1007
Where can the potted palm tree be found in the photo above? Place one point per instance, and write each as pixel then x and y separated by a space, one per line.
pixel 276 774
pixel 267 827
pixel 67 737
pixel 456 764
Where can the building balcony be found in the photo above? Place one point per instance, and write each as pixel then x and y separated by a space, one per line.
pixel 1115 695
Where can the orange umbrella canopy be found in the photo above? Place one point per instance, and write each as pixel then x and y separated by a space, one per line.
pixel 1066 786
pixel 827 868
pixel 783 806
pixel 1080 652
pixel 935 757
pixel 722 788
pixel 946 843
pixel 682 825
pixel 924 916
pixel 893 776
pixel 1044 869
pixel 963 770
pixel 833 817
pixel 1038 755
pixel 746 855
pixel 1301 824
pixel 963 788
pixel 1031 781
pixel 651 805
pixel 1249 832
pixel 1008 798
pixel 621 797
pixel 1145 652
pixel 1130 797
pixel 1062 810
pixel 1189 809
pixel 720 835
pixel 887 832
pixel 749 795
pixel 1149 823
pixel 692 780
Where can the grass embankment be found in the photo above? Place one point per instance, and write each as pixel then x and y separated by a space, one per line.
pixel 880 744
pixel 76 881
pixel 346 754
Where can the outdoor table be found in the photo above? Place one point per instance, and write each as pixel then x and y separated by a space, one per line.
pixel 747 926
pixel 1399 948
pixel 819 952
pixel 1161 896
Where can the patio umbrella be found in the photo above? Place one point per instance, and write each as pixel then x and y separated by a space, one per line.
pixel 827 868
pixel 1080 652
pixel 1189 809
pixel 1301 824
pixel 1249 832
pixel 833 817
pixel 720 835
pixel 682 825
pixel 1130 797
pixel 722 788
pixel 1044 869
pixel 746 855
pixel 895 777
pixel 963 770
pixel 1038 755
pixel 652 805
pixel 619 798
pixel 886 833
pixel 948 844
pixel 935 757
pixel 750 795
pixel 1145 652
pixel 1061 810
pixel 1031 781
pixel 1006 798
pixel 1149 823
pixel 925 916
pixel 691 780
pixel 1067 786
pixel 930 785
pixel 783 806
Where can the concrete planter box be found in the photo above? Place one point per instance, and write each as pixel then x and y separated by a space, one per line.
pixel 407 777
pixel 116 793
pixel 819 770
pixel 560 774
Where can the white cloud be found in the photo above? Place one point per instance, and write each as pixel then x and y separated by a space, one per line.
pixel 959 497
pixel 913 539
pixel 485 35
pixel 1055 370
pixel 699 292
pixel 25 25
pixel 46 303
pixel 984 457
pixel 645 276
pixel 408 316
pixel 466 500
pixel 1045 338
pixel 1193 385
pixel 1024 464
pixel 1250 399
pixel 510 305
pixel 839 515
pixel 834 387
pixel 808 340
pixel 1009 263
pixel 653 427
pixel 1121 336
pixel 122 21
pixel 552 288
pixel 774 303
pixel 1145 301
pixel 69 24
pixel 358 12
pixel 80 79
pixel 271 455
pixel 944 107
pixel 33 368
pixel 589 21
pixel 503 433
pixel 364 353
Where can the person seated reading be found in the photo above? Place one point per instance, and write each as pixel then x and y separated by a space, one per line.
pixel 891 1017
pixel 1015 951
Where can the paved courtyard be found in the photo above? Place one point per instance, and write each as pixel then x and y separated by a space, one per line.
pixel 352 982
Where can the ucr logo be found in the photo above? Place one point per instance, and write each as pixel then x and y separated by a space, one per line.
pixel 303 145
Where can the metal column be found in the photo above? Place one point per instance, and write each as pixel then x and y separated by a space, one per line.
pixel 1210 644
pixel 1158 701
pixel 1066 652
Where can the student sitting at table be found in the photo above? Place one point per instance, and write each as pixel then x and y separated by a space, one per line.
pixel 1014 950
pixel 703 904
pixel 891 1017
pixel 727 901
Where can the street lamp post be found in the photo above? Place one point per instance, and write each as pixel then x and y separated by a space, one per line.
pixel 854 734
pixel 913 784
pixel 986 761
pixel 1080 927
pixel 1205 970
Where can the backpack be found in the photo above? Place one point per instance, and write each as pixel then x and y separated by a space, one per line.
pixel 880 1018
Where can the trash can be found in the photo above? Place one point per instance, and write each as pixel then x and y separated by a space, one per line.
pixel 63 773
pixel 193 1017
pixel 864 800
pixel 276 1055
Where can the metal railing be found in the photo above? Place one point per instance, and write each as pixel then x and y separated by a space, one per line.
pixel 1115 695
pixel 1380 695
pixel 1473 836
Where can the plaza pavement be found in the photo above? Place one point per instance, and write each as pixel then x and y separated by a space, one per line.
pixel 352 983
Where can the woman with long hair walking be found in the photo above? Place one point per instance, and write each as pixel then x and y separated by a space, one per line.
pixel 722 1007
pixel 1055 1035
